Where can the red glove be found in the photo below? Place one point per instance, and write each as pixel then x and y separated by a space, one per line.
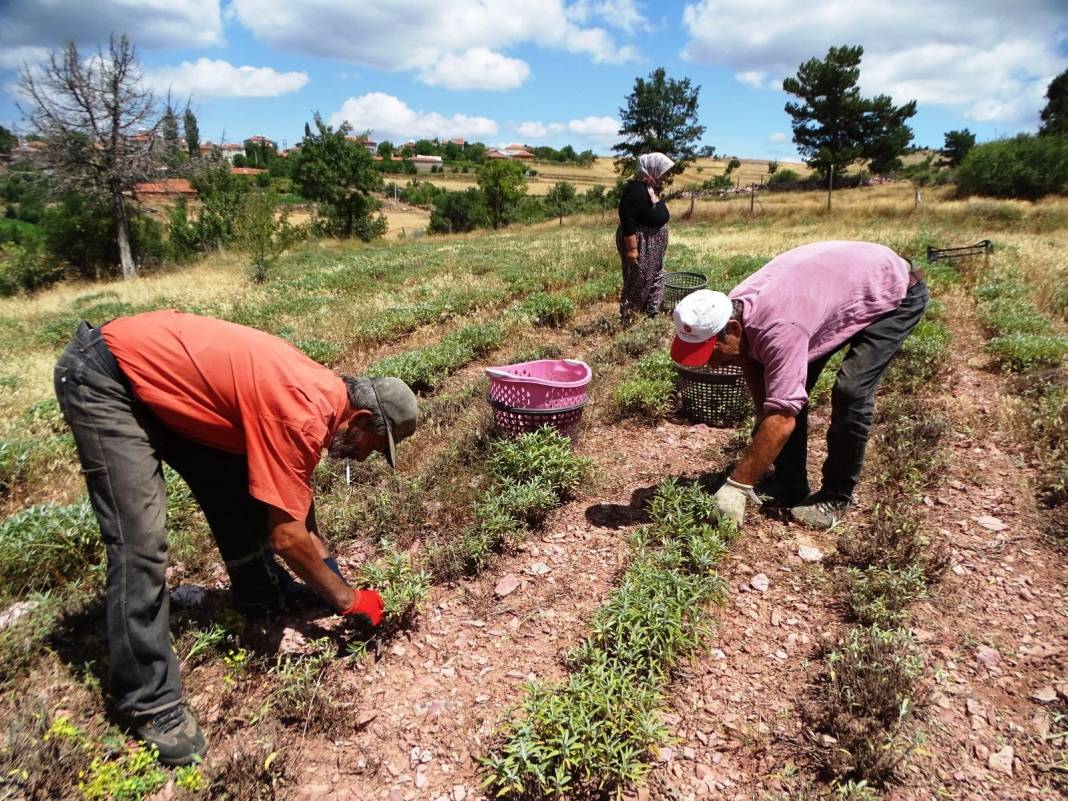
pixel 366 604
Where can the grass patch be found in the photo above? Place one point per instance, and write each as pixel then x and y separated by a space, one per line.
pixel 1021 353
pixel 424 369
pixel 47 546
pixel 547 311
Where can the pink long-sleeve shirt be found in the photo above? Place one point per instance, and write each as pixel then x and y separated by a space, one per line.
pixel 807 302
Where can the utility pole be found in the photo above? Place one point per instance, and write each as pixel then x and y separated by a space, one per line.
pixel 830 186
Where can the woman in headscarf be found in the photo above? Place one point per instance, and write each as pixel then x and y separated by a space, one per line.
pixel 642 236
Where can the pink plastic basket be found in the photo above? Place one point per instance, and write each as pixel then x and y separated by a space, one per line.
pixel 544 384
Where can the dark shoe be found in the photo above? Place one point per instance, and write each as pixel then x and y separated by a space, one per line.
pixel 262 587
pixel 820 512
pixel 782 492
pixel 175 734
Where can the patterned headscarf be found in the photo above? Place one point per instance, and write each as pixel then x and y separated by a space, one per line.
pixel 655 165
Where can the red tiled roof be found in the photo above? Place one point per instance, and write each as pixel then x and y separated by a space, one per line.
pixel 168 186
pixel 246 171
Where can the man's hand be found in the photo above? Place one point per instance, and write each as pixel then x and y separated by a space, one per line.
pixel 366 604
pixel 731 499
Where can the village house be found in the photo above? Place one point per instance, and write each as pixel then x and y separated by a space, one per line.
pixel 167 189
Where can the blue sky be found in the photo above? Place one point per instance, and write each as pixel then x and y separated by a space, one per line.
pixel 554 71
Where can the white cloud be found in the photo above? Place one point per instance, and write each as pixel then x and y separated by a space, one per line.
pixel 429 36
pixel 595 130
pixel 13 58
pixel 621 14
pixel 777 138
pixel 754 78
pixel 388 117
pixel 990 59
pixel 477 68
pixel 149 23
pixel 204 79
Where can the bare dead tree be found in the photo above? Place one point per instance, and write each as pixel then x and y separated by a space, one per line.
pixel 100 125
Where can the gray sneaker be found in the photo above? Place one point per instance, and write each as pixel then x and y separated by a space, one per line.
pixel 176 735
pixel 820 513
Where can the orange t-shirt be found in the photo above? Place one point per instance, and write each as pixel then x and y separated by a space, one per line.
pixel 237 389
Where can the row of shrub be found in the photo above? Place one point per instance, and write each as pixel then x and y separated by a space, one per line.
pixel 874 680
pixel 598 731
pixel 1026 344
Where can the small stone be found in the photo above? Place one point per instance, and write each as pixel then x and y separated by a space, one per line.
pixel 701 771
pixel 1001 761
pixel 987 655
pixel 420 780
pixel 667 754
pixel 481 698
pixel 396 794
pixel 539 568
pixel 776 618
pixel 759 582
pixel 365 717
pixel 459 792
pixel 1040 725
pixel 448 672
pixel 399 650
pixel 990 523
pixel 1044 695
pixel 809 553
pixel 17 611
pixel 507 585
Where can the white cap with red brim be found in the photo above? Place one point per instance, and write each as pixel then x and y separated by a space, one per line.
pixel 699 317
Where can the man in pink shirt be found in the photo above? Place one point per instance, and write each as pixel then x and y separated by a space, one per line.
pixel 781 326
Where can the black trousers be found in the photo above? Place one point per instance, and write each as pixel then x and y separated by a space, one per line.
pixel 122 447
pixel 852 399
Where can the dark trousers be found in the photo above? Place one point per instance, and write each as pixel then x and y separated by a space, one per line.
pixel 122 447
pixel 852 399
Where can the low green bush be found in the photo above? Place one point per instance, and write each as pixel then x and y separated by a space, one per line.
pixel 46 546
pixel 1025 166
pixel 1022 352
pixel 403 588
pixel 648 394
pixel 424 369
pixel 1012 315
pixel 550 311
pixel 879 595
pixel 543 455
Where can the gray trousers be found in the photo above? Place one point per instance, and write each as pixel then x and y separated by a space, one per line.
pixel 852 399
pixel 122 447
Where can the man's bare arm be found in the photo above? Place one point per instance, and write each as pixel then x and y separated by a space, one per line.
pixel 304 552
pixel 770 437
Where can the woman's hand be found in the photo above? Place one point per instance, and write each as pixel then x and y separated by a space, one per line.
pixel 630 245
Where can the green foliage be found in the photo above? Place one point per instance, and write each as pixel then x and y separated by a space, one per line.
pixel 503 186
pixel 660 116
pixel 8 140
pixel 1022 352
pixel 459 212
pixel 26 268
pixel 923 356
pixel 264 232
pixel 340 174
pixel 46 546
pixel 1012 315
pixel 402 587
pixel 222 198
pixel 1055 113
pixel 550 311
pixel 646 395
pixel 528 477
pixel 879 595
pixel 1028 167
pixel 192 133
pixel 81 232
pixel 189 779
pixel 956 146
pixel 131 776
pixel 784 176
pixel 597 732
pixel 302 696
pixel 834 126
pixel 424 369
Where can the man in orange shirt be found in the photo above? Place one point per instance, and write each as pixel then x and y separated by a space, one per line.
pixel 244 418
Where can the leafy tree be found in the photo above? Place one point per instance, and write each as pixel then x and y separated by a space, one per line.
pixel 172 148
pixel 1026 167
pixel 340 175
pixel 706 151
pixel 8 140
pixel 560 198
pixel 503 185
pixel 733 165
pixel 385 149
pixel 427 147
pixel 459 212
pixel 956 146
pixel 476 152
pixel 833 125
pixel 660 116
pixel 192 132
pixel 221 197
pixel 886 136
pixel 450 151
pixel 264 232
pixel 772 166
pixel 1055 114
pixel 100 126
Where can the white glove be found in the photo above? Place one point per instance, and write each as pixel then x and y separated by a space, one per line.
pixel 731 498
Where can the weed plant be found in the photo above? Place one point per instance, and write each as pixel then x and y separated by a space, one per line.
pixel 303 695
pixel 47 546
pixel 879 596
pixel 1020 353
pixel 403 588
pixel 870 689
pixel 636 341
pixel 597 732
pixel 41 757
